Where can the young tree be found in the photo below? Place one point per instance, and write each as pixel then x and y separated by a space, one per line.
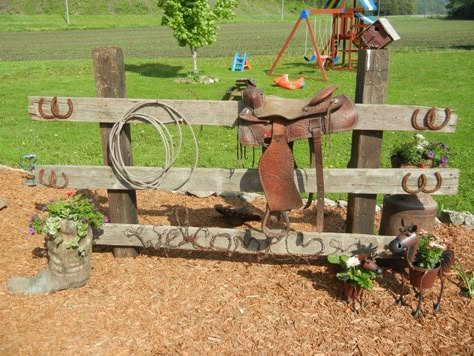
pixel 194 22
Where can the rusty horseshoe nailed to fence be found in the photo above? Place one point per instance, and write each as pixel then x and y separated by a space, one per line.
pixel 52 180
pixel 429 120
pixel 422 180
pixel 55 109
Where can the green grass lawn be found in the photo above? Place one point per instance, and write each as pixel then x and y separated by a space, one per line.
pixel 423 75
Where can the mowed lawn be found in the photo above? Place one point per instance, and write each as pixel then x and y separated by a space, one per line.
pixel 432 66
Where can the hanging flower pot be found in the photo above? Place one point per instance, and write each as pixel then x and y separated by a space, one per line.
pixel 422 278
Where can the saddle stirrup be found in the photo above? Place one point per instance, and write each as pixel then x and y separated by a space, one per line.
pixel 271 233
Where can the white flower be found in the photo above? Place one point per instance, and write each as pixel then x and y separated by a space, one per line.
pixel 419 137
pixel 352 262
pixel 436 244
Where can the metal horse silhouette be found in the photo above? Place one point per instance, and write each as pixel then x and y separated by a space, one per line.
pixel 406 246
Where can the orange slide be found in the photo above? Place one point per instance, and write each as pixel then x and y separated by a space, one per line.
pixel 285 83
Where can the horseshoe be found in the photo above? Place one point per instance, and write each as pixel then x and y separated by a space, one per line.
pixel 422 180
pixel 42 113
pixel 52 180
pixel 430 119
pixel 55 108
pixel 439 182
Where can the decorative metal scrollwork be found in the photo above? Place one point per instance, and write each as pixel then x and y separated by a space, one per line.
pixel 429 120
pixel 55 109
pixel 52 180
pixel 422 181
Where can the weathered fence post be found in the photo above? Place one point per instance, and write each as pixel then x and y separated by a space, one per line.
pixel 110 83
pixel 371 88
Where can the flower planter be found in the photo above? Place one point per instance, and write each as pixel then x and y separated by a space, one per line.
pixel 352 291
pixel 67 267
pixel 422 278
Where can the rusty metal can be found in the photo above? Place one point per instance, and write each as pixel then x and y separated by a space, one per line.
pixel 419 209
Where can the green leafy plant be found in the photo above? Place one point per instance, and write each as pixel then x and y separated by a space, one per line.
pixel 465 277
pixel 75 207
pixel 430 251
pixel 421 153
pixel 352 272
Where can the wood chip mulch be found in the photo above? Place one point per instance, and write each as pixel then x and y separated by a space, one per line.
pixel 190 304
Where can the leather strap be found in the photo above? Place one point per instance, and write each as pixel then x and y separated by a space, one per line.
pixel 318 163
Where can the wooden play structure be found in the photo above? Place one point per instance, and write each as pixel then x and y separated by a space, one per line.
pixel 339 50
pixel 363 180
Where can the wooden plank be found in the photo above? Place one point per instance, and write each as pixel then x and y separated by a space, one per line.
pixel 371 88
pixel 360 180
pixel 305 244
pixel 109 70
pixel 208 112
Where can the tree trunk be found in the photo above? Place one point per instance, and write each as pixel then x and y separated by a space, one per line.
pixel 195 65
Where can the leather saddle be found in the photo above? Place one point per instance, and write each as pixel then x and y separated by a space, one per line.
pixel 274 123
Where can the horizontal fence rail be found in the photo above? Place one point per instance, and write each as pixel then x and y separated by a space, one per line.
pixel 337 180
pixel 302 244
pixel 379 117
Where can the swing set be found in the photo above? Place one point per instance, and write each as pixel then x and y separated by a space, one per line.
pixel 337 37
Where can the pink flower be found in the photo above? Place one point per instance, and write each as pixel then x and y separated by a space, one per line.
pixel 70 193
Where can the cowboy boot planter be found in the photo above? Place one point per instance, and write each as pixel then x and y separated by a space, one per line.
pixel 68 267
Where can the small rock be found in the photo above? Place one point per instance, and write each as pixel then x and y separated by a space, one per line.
pixel 378 208
pixel 3 204
pixel 250 197
pixel 342 204
pixel 452 217
pixel 469 221
pixel 202 194
pixel 329 202
pixel 228 194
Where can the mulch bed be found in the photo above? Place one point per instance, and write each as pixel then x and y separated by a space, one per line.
pixel 189 303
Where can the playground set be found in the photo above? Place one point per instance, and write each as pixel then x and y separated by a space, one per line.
pixel 345 27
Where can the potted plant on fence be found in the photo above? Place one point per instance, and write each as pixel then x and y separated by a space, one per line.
pixel 419 208
pixel 420 153
pixel 67 226
pixel 356 274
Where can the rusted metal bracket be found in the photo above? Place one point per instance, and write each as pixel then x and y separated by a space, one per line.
pixel 429 120
pixel 55 109
pixel 422 181
pixel 52 180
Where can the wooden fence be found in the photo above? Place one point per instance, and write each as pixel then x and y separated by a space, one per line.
pixel 364 180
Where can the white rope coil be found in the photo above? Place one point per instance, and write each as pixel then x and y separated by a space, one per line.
pixel 150 180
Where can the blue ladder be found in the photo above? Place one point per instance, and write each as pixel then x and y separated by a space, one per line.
pixel 239 62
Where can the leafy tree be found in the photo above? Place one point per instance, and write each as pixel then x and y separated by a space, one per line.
pixel 398 7
pixel 461 9
pixel 194 22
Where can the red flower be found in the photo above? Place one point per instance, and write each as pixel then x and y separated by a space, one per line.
pixel 70 193
pixel 421 165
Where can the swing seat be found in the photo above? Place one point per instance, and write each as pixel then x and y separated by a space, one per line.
pixel 324 58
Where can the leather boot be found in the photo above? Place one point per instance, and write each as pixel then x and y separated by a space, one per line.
pixel 67 267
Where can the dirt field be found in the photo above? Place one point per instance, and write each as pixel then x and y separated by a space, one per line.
pixel 191 304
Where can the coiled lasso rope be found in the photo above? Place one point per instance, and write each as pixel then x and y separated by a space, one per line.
pixel 150 180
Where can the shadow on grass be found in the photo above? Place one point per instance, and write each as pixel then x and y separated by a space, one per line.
pixel 156 70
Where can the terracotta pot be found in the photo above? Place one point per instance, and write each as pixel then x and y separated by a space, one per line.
pixel 352 291
pixel 423 278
